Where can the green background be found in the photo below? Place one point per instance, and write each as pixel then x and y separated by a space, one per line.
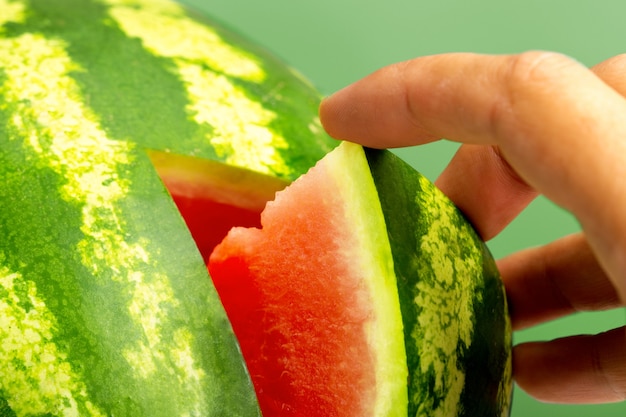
pixel 336 42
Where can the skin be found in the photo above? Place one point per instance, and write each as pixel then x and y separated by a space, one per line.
pixel 533 123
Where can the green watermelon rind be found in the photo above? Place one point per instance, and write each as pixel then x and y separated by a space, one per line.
pixel 472 375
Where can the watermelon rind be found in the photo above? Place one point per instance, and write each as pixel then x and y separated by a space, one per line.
pixel 456 323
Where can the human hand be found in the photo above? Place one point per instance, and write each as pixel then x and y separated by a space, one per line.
pixel 532 123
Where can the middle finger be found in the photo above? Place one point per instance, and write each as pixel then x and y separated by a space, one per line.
pixel 554 280
pixel 485 188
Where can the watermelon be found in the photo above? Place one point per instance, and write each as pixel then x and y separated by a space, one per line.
pixel 106 306
pixel 133 135
pixel 363 277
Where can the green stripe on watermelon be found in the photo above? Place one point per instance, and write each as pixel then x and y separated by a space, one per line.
pixel 457 331
pixel 5 410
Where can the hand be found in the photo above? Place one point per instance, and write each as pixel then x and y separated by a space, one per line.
pixel 532 123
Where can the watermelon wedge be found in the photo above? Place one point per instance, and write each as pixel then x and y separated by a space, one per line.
pixel 336 311
pixel 312 297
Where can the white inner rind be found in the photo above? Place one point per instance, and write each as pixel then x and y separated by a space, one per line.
pixel 375 262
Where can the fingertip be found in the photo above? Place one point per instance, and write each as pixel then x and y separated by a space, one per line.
pixel 330 115
pixel 340 116
pixel 587 369
pixel 530 374
pixel 373 112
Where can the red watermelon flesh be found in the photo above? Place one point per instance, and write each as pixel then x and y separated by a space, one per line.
pixel 310 297
pixel 213 197
pixel 209 221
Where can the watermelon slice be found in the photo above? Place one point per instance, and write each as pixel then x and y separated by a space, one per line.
pixel 366 293
pixel 313 300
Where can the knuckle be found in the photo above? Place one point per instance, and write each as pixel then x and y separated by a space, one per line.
pixel 618 61
pixel 529 77
pixel 535 69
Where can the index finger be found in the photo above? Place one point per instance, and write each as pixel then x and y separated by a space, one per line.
pixel 558 125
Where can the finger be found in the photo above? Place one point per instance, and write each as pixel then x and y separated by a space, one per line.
pixel 579 369
pixel 555 280
pixel 485 188
pixel 557 124
pixel 483 185
pixel 613 72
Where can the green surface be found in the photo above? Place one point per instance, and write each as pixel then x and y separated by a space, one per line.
pixel 451 296
pixel 335 42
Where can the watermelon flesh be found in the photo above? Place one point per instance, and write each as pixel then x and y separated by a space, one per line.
pixel 210 221
pixel 213 197
pixel 310 297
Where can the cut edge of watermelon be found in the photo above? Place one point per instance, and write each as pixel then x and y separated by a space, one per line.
pixel 191 178
pixel 207 179
pixel 213 197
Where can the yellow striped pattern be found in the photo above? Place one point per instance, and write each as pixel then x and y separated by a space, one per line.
pixel 206 64
pixel 49 111
pixel 11 12
pixel 446 321
pixel 29 356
